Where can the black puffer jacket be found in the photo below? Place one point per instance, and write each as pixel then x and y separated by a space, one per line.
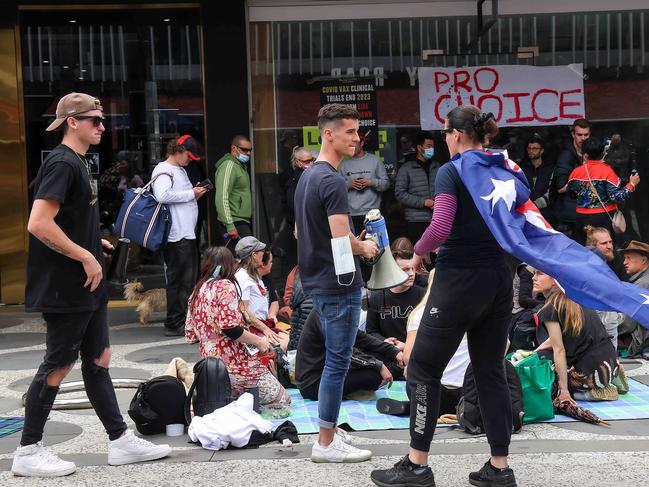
pixel 301 304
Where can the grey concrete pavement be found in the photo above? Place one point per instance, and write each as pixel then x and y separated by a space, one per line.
pixel 542 455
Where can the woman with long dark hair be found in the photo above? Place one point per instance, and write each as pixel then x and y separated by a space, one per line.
pixel 471 293
pixel 214 320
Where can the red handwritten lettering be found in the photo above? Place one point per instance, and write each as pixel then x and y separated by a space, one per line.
pixel 441 78
pixel 484 98
pixel 564 104
pixel 439 101
pixel 494 82
pixel 535 111
pixel 461 80
pixel 517 108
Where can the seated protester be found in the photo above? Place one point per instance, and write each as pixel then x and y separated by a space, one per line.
pixel 524 296
pixel 522 331
pixel 286 309
pixel 600 238
pixel 610 319
pixel 301 306
pixel 452 378
pixel 264 272
pixel 404 246
pixel 254 296
pixel 388 309
pixel 368 369
pixel 215 321
pixel 636 263
pixel 585 360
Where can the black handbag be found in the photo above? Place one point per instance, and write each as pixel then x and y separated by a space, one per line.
pixel 157 403
pixel 211 388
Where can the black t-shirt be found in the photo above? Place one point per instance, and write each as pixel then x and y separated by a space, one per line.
pixel 588 350
pixel 387 313
pixel 54 281
pixel 321 192
pixel 471 243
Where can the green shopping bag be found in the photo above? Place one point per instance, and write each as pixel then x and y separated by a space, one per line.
pixel 537 377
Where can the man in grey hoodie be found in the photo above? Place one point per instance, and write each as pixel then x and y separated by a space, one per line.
pixel 366 179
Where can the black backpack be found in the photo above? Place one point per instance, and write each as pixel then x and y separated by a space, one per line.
pixel 522 333
pixel 468 409
pixel 157 403
pixel 211 388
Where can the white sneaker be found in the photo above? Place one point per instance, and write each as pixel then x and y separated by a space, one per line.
pixel 37 461
pixel 132 449
pixel 338 452
pixel 346 437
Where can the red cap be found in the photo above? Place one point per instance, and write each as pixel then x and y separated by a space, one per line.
pixel 190 144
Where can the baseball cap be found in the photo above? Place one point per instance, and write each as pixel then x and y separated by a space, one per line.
pixel 248 245
pixel 189 143
pixel 71 105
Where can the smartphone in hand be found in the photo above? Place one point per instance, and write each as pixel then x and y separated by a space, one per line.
pixel 207 184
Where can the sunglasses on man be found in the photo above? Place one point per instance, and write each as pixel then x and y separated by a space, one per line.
pixel 96 119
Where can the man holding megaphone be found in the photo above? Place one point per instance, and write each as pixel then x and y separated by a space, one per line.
pixel 329 269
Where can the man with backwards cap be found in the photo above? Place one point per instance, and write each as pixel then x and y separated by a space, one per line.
pixel 65 270
pixel 171 186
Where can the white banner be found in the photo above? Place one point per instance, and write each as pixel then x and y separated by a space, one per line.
pixel 516 95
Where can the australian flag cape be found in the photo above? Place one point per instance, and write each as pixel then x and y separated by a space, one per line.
pixel 501 192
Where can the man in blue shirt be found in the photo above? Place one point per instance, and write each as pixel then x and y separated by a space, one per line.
pixel 322 214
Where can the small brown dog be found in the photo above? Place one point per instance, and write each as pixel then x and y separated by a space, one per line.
pixel 147 301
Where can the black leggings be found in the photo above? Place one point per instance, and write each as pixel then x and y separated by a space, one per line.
pixel 69 334
pixel 478 302
pixel 356 380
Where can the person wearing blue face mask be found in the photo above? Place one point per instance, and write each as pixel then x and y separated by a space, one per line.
pixel 415 184
pixel 233 198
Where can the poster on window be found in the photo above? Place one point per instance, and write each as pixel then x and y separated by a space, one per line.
pixel 516 95
pixel 361 94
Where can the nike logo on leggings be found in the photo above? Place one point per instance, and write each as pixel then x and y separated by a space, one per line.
pixel 420 419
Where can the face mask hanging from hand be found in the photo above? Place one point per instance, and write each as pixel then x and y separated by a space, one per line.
pixel 243 158
pixel 429 153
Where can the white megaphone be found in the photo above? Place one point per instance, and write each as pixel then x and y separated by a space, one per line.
pixel 385 271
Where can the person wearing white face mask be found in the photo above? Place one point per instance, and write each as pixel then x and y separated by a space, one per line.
pixel 233 197
pixel 415 186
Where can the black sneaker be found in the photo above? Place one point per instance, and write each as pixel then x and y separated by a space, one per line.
pixel 488 476
pixel 404 474
pixel 175 332
pixel 385 405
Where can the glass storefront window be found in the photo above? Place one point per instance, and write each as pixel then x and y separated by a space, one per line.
pixel 294 58
pixel 145 67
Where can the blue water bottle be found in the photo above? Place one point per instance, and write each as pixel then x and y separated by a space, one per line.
pixel 377 231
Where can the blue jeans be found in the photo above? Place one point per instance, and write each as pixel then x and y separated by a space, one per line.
pixel 339 314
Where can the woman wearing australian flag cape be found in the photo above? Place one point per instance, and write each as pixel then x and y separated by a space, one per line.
pixel 478 192
pixel 471 293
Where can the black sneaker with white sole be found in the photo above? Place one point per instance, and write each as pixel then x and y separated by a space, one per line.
pixel 488 476
pixel 385 405
pixel 404 474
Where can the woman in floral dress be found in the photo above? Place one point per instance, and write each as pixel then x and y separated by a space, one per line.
pixel 214 320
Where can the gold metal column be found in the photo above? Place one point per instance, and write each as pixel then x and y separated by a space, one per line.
pixel 13 171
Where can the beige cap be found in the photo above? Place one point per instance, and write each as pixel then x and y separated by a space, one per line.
pixel 73 104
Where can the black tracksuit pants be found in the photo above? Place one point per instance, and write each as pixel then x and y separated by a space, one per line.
pixel 476 301
pixel 181 259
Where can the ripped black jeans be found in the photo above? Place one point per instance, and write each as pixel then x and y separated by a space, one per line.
pixel 68 335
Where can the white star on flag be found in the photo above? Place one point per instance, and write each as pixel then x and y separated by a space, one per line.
pixel 646 298
pixel 503 190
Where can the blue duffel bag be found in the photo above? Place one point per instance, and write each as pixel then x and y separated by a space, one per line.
pixel 142 219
